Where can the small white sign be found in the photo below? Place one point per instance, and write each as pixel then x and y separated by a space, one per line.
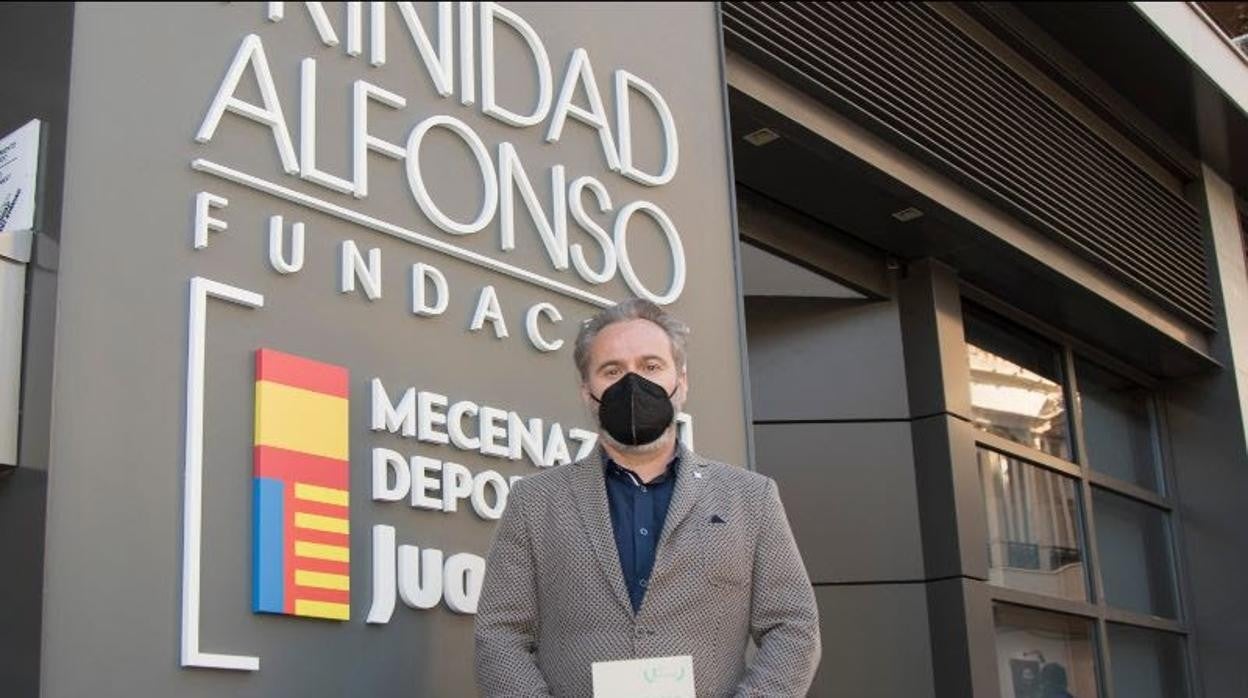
pixel 19 169
pixel 654 677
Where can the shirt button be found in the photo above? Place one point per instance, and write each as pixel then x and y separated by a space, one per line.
pixel 644 532
pixel 643 582
pixel 643 488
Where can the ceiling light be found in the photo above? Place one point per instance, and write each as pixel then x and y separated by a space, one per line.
pixel 906 215
pixel 762 136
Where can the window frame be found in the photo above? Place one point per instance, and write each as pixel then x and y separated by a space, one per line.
pixel 1087 478
pixel 1054 462
pixel 1080 525
pixel 1096 629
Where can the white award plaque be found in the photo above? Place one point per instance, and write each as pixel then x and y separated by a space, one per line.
pixel 654 677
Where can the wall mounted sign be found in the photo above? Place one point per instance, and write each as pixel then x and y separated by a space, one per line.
pixel 19 177
pixel 348 250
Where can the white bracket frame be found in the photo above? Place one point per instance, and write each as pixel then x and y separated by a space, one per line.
pixel 193 468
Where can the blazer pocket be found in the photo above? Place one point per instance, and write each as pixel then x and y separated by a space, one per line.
pixel 724 555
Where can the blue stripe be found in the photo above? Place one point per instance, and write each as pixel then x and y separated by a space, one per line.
pixel 268 556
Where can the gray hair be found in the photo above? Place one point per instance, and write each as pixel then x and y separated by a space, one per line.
pixel 631 309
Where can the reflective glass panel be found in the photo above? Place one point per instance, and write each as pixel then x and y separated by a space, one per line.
pixel 1044 655
pixel 1134 550
pixel 1117 425
pixel 1146 663
pixel 1034 528
pixel 1016 384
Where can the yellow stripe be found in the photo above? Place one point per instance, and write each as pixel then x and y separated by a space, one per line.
pixel 322 580
pixel 322 609
pixel 316 522
pixel 324 495
pixel 320 551
pixel 301 420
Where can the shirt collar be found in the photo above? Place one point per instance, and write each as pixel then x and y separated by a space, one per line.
pixel 618 470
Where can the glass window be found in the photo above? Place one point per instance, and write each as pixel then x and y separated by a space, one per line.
pixel 1134 552
pixel 1016 384
pixel 1034 528
pixel 1146 663
pixel 1044 655
pixel 1117 425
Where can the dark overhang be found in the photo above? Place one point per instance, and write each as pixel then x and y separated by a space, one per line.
pixel 1192 117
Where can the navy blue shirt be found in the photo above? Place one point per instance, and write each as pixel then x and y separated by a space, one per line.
pixel 637 513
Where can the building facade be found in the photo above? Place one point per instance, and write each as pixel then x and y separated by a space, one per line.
pixel 967 280
pixel 1012 438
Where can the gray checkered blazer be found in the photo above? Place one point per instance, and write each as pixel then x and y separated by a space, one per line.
pixel 554 600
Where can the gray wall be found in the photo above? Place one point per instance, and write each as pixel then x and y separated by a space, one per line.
pixel 34 83
pixel 143 77
pixel 832 425
pixel 858 417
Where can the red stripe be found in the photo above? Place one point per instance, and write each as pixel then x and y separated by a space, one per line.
pixel 298 372
pixel 323 537
pixel 330 595
pixel 333 510
pixel 288 549
pixel 293 466
pixel 312 564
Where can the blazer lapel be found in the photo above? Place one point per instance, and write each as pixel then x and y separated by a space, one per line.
pixel 691 482
pixel 590 496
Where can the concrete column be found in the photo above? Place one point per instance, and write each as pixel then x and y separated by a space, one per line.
pixel 1208 452
pixel 1229 277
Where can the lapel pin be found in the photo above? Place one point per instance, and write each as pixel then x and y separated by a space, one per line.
pixel 697 474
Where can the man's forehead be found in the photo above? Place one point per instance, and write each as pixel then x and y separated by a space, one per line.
pixel 630 339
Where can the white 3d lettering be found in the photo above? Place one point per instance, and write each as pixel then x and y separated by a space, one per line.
pixel 501 168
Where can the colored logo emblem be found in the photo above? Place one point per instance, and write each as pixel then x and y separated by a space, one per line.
pixel 301 536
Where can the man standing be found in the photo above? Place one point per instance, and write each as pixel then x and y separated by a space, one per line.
pixel 644 549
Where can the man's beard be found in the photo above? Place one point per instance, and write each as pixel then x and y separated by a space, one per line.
pixel 634 449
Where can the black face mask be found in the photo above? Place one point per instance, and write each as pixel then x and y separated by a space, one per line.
pixel 635 411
